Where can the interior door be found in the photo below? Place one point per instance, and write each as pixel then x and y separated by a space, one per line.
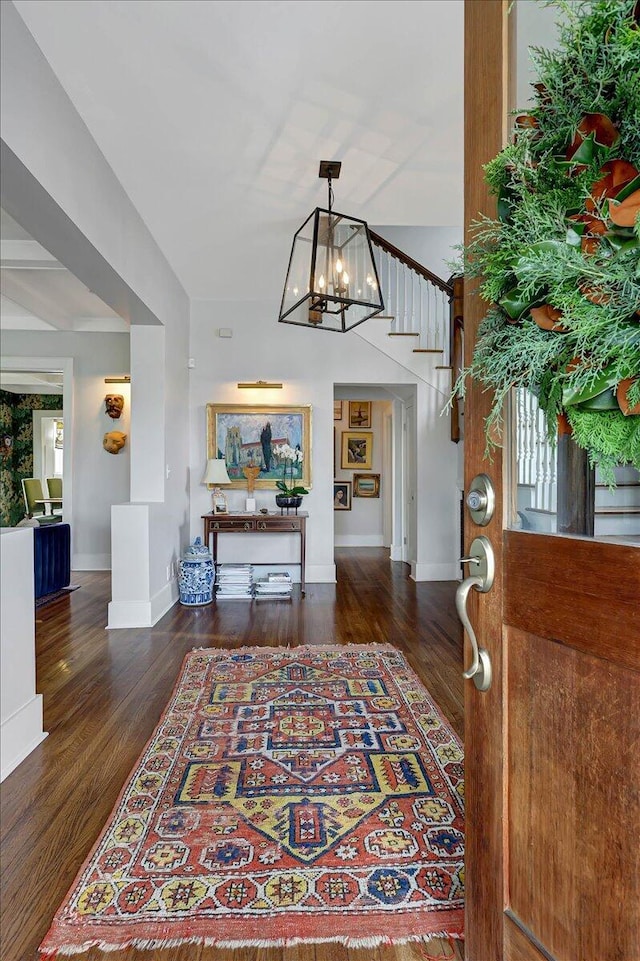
pixel 553 746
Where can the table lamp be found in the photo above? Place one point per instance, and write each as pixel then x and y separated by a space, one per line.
pixel 214 475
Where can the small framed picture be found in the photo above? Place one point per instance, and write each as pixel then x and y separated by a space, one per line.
pixel 337 410
pixel 359 414
pixel 342 495
pixel 366 485
pixel 357 450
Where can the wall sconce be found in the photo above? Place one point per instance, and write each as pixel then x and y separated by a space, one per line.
pixel 259 383
pixel 214 475
pixel 123 379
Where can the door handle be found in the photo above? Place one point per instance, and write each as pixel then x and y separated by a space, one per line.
pixel 482 559
pixel 480 670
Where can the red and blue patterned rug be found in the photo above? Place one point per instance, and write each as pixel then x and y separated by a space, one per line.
pixel 287 795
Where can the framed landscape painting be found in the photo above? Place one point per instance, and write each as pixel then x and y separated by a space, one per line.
pixel 246 436
pixel 357 450
pixel 366 485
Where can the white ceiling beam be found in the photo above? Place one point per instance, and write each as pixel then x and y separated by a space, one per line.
pixel 27 253
pixel 16 286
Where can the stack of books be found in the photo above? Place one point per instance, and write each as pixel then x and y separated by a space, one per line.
pixel 277 585
pixel 234 582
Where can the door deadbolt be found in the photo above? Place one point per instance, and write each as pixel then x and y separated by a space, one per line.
pixel 481 500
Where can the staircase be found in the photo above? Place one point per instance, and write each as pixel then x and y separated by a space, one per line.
pixel 417 332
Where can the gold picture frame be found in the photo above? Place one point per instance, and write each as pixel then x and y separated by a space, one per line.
pixel 359 414
pixel 366 485
pixel 357 450
pixel 244 435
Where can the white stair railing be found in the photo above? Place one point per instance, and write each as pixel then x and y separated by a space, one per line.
pixel 418 303
pixel 536 456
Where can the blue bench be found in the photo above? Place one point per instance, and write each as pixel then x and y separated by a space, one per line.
pixel 51 558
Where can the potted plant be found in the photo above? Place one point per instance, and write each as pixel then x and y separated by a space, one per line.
pixel 290 493
pixel 560 266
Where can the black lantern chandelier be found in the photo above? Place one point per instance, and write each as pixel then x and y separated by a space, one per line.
pixel 332 282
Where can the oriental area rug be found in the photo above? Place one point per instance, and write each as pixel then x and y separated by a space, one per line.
pixel 287 795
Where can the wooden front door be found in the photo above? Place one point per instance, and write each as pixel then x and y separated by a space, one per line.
pixel 553 747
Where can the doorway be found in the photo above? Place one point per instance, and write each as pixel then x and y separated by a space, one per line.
pixel 364 478
pixel 35 399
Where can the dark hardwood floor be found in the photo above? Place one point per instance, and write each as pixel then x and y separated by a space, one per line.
pixel 105 690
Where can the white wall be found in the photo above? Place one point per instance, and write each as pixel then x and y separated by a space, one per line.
pixel 309 363
pixel 535 27
pixel 20 706
pixel 98 479
pixel 94 229
pixel 433 247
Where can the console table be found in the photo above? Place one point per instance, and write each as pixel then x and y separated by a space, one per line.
pixel 275 523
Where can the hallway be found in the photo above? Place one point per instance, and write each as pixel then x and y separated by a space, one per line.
pixel 104 692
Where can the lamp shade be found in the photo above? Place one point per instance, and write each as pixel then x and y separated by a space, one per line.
pixel 332 282
pixel 216 472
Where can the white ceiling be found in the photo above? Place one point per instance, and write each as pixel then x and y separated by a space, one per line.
pixel 38 293
pixel 214 115
pixel 32 381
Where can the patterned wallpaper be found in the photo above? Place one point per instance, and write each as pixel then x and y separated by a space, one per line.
pixel 16 422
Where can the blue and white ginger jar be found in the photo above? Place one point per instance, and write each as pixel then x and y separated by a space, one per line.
pixel 196 575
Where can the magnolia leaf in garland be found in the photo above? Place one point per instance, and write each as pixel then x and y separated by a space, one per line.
pixel 515 303
pixel 627 188
pixel 594 128
pixel 624 213
pixel 624 394
pixel 575 395
pixel 607 400
pixel 560 264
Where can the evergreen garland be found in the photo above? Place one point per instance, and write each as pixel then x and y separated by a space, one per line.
pixel 560 266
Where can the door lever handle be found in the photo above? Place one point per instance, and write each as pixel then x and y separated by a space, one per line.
pixel 480 669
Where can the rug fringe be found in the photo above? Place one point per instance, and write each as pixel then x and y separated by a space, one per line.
pixel 151 944
pixel 380 645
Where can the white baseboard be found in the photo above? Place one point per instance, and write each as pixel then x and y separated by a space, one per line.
pixel 359 540
pixel 164 600
pixel 20 734
pixel 320 574
pixel 91 562
pixel 128 614
pixel 142 613
pixel 396 552
pixel 434 572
